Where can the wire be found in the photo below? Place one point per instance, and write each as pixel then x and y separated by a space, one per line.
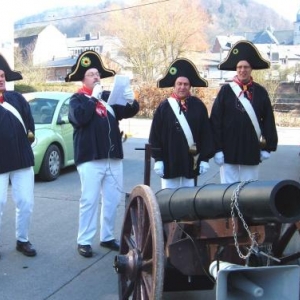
pixel 93 14
pixel 111 148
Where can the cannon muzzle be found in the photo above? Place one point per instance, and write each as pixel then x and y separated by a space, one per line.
pixel 259 201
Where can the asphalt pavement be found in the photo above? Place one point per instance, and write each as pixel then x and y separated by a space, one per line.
pixel 58 272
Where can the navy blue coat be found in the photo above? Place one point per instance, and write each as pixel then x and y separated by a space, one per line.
pixel 15 149
pixel 169 143
pixel 233 131
pixel 97 137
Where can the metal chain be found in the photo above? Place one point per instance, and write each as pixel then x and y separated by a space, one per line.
pixel 234 205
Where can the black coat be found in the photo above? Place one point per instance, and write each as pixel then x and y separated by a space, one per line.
pixel 97 137
pixel 15 150
pixel 233 131
pixel 169 143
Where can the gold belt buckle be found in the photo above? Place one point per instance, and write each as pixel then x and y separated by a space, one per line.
pixel 30 136
pixel 262 142
pixel 193 149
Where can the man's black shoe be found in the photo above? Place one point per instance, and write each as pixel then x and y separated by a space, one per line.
pixel 26 248
pixel 85 250
pixel 112 244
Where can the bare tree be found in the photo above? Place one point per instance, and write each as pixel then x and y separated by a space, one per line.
pixel 24 63
pixel 267 79
pixel 154 35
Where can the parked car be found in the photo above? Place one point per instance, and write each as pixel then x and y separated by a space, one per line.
pixel 53 145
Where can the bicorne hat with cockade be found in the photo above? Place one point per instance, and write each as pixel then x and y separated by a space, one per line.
pixel 244 50
pixel 10 75
pixel 87 60
pixel 182 67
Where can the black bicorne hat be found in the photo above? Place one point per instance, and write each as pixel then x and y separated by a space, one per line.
pixel 87 60
pixel 244 50
pixel 10 75
pixel 182 67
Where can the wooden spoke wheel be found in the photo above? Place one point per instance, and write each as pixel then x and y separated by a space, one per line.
pixel 140 263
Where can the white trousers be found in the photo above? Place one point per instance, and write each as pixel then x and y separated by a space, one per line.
pixel 103 178
pixel 176 182
pixel 236 173
pixel 22 187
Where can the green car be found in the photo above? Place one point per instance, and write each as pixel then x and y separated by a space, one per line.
pixel 53 145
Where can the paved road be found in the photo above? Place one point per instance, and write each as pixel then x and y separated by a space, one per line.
pixel 58 272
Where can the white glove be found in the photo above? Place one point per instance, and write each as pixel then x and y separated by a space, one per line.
pixel 264 155
pixel 219 158
pixel 129 95
pixel 97 91
pixel 159 168
pixel 203 168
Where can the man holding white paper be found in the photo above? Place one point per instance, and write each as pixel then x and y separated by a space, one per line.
pixel 98 149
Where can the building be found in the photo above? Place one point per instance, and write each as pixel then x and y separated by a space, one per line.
pixel 41 44
pixel 58 68
pixel 297 29
pixel 48 48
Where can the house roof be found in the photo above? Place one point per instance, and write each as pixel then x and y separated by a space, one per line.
pixel 285 37
pixel 83 42
pixel 265 37
pixel 28 32
pixel 60 62
pixel 226 41
pixel 269 36
pixel 91 41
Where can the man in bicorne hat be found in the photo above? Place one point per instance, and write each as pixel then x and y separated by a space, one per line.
pixel 180 134
pixel 16 156
pixel 242 117
pixel 98 151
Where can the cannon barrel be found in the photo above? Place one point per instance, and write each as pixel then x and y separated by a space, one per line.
pixel 260 202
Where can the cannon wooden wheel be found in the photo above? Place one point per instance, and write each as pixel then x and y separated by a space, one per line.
pixel 140 263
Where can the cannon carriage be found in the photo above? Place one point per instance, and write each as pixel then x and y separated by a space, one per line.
pixel 171 239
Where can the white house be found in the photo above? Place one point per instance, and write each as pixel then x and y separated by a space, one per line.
pixel 42 43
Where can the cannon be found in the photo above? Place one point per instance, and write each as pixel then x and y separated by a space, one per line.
pixel 171 238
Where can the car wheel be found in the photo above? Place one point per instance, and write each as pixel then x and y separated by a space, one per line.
pixel 50 168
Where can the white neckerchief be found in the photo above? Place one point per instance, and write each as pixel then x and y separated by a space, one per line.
pixel 182 120
pixel 248 107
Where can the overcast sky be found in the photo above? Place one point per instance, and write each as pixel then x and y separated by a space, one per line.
pixel 20 8
pixel 286 8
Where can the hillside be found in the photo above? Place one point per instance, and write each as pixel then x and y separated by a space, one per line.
pixel 233 16
pixel 226 17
